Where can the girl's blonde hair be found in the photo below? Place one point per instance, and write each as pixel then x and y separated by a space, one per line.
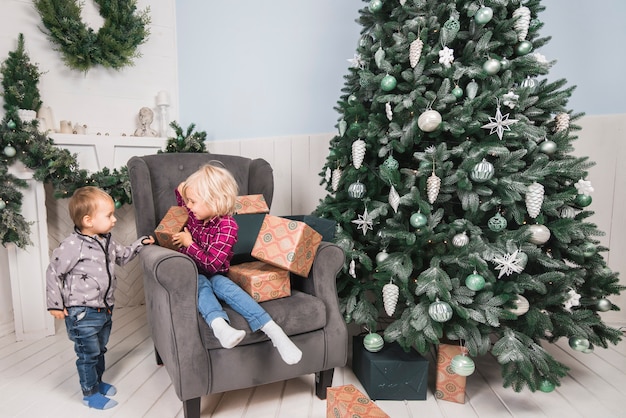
pixel 216 187
pixel 85 202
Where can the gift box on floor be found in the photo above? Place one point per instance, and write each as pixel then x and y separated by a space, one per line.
pixel 253 203
pixel 287 244
pixel 449 385
pixel 325 227
pixel 172 223
pixel 391 373
pixel 348 402
pixel 261 281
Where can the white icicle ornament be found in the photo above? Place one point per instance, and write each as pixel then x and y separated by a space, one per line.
pixel 394 199
pixel 415 52
pixel 390 297
pixel 534 199
pixel 522 22
pixel 358 153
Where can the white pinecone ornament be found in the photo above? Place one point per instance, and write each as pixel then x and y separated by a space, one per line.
pixel 336 177
pixel 415 52
pixel 390 297
pixel 562 122
pixel 358 153
pixel 534 199
pixel 522 22
pixel 433 185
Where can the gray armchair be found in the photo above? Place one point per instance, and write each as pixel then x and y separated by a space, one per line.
pixel 193 357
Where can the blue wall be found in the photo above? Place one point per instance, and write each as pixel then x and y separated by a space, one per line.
pixel 251 69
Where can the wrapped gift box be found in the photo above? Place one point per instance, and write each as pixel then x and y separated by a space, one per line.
pixel 325 227
pixel 287 244
pixel 261 281
pixel 172 223
pixel 449 385
pixel 249 226
pixel 391 373
pixel 253 203
pixel 348 402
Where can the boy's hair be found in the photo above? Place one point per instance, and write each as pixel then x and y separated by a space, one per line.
pixel 84 202
pixel 216 187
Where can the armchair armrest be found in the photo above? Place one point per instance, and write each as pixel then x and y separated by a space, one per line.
pixel 171 289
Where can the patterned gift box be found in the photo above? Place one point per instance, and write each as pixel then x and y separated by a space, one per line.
pixel 261 281
pixel 172 223
pixel 287 244
pixel 348 402
pixel 449 385
pixel 253 203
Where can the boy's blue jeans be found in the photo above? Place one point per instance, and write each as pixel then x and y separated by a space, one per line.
pixel 89 329
pixel 221 287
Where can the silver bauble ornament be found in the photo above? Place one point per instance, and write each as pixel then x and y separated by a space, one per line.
pixel 492 66
pixel 547 147
pixel 9 151
pixel 460 240
pixel 523 48
pixel 429 120
pixel 483 15
pixel 381 256
pixel 604 305
pixel 529 83
pixel 540 234
pixel 483 171
pixel 3 204
pixel 578 343
pixel 521 305
pixel 357 190
pixel 375 5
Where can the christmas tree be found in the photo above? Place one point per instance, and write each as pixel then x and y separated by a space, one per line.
pixel 461 211
pixel 19 80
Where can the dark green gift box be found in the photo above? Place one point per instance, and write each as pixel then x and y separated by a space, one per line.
pixel 391 373
pixel 249 227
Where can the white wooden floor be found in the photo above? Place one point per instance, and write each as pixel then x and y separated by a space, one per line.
pixel 38 379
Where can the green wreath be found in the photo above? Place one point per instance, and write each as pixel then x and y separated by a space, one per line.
pixel 113 46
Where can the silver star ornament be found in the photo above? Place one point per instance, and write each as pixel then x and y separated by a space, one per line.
pixel 499 123
pixel 364 222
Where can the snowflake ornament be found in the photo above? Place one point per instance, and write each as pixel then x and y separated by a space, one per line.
pixel 573 300
pixel 446 57
pixel 509 263
pixel 364 222
pixel 499 123
pixel 510 99
pixel 540 58
pixel 584 187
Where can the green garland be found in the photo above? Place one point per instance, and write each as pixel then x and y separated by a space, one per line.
pixel 113 46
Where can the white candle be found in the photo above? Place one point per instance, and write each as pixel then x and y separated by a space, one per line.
pixel 163 99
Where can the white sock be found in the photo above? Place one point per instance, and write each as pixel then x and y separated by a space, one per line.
pixel 289 352
pixel 227 335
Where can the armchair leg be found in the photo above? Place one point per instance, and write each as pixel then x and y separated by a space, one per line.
pixel 323 380
pixel 157 357
pixel 191 408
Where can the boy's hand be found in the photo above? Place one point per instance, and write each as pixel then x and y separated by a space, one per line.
pixel 148 241
pixel 59 314
pixel 183 238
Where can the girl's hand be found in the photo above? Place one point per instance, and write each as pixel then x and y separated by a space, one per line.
pixel 183 238
pixel 148 241
pixel 59 314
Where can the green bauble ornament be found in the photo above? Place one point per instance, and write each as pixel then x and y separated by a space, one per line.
pixel 483 171
pixel 440 311
pixel 457 92
pixel 546 386
pixel 523 48
pixel 505 64
pixel 475 282
pixel 354 129
pixel 373 342
pixel 391 163
pixel 582 200
pixel 11 124
pixel 388 83
pixel 118 204
pixel 589 249
pixel 492 66
pixel 3 204
pixel 483 15
pixel 462 365
pixel 497 223
pixel 578 344
pixel 603 305
pixel 375 6
pixel 9 151
pixel 352 99
pixel 418 220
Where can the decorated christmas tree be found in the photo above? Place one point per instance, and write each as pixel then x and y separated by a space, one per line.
pixel 461 210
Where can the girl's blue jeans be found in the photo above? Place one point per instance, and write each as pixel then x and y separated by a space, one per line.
pixel 89 329
pixel 222 288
